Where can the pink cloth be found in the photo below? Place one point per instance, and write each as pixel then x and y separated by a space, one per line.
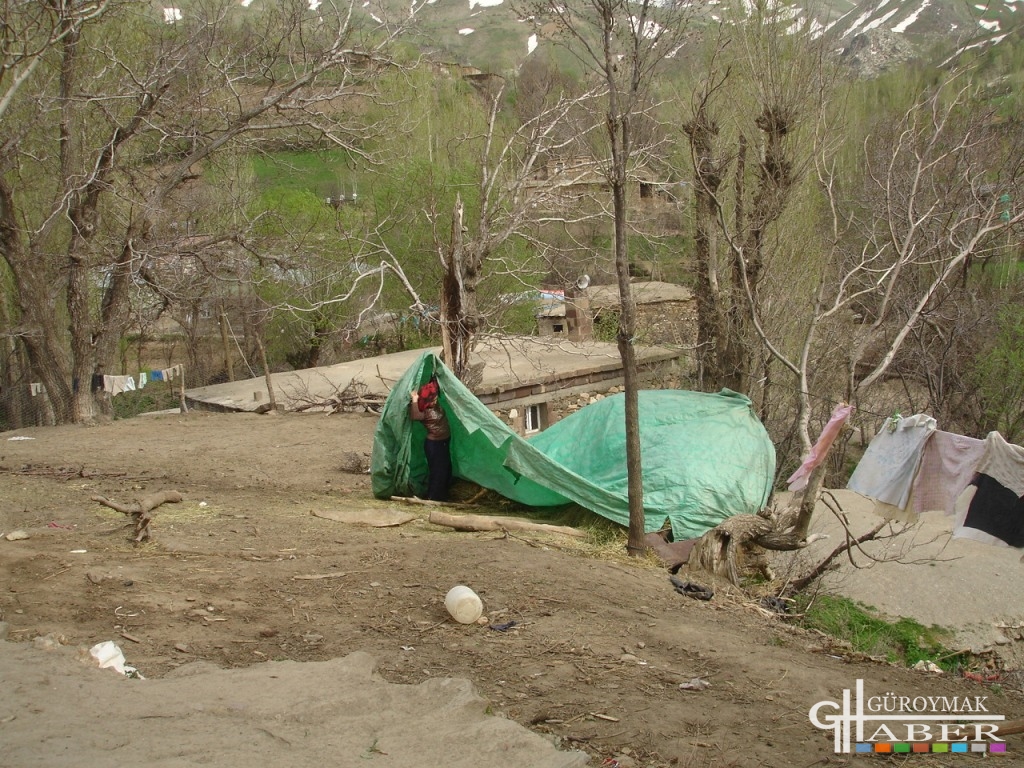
pixel 798 480
pixel 947 467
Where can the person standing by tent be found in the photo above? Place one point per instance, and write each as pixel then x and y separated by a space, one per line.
pixel 425 407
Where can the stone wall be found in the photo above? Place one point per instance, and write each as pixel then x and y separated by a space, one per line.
pixel 555 406
pixel 669 323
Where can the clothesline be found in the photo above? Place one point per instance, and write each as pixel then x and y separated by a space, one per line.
pixel 913 467
pixel 115 385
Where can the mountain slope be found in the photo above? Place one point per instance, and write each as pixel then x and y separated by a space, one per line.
pixel 487 34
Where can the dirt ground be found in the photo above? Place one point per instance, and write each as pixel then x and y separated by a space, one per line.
pixel 242 573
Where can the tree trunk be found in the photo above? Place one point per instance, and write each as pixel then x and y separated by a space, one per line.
pixel 453 329
pixel 734 544
pixel 229 367
pixel 707 179
pixel 460 315
pixel 627 352
pixel 735 360
pixel 266 371
pixel 619 134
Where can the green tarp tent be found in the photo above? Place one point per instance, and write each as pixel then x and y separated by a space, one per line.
pixel 705 456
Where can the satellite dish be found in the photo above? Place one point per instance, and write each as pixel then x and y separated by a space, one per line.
pixel 582 282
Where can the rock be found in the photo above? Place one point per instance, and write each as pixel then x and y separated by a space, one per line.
pixel 870 53
pixel 18 535
pixel 95 576
pixel 354 462
pixel 47 642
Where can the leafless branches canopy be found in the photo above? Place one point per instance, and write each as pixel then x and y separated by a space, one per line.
pixel 110 113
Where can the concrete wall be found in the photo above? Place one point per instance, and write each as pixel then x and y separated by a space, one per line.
pixel 551 407
pixel 670 323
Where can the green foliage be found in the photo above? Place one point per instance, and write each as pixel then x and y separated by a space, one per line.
pixel 290 209
pixel 999 375
pixel 156 396
pixel 312 171
pixel 606 326
pixel 904 641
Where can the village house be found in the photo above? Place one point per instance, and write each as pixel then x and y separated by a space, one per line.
pixel 666 314
pixel 529 382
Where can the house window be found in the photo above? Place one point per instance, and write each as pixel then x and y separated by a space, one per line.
pixel 559 327
pixel 532 419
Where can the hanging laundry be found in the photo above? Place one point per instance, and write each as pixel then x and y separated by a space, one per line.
pixel 156 375
pixel 948 465
pixel 886 472
pixel 115 385
pixel 1004 462
pixel 36 388
pixel 991 513
pixel 798 480
pixel 991 509
pixel 170 374
pixel 142 379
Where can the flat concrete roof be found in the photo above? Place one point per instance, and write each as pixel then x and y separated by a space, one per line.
pixel 607 297
pixel 648 292
pixel 514 368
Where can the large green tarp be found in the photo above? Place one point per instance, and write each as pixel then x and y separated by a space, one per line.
pixel 705 456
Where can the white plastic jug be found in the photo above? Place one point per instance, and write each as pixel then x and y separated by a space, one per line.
pixel 463 604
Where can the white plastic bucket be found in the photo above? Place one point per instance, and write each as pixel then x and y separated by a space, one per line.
pixel 463 604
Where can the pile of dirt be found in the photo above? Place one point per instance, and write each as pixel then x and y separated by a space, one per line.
pixel 332 712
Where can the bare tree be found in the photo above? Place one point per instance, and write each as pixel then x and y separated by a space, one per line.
pixel 622 45
pixel 137 115
pixel 933 204
pixel 505 205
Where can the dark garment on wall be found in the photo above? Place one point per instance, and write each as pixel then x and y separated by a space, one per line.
pixel 997 511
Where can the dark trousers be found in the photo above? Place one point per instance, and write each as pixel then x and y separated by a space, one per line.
pixel 439 468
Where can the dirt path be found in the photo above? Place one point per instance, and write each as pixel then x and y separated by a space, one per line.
pixel 242 573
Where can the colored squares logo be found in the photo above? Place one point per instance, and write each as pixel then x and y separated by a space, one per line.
pixel 924 747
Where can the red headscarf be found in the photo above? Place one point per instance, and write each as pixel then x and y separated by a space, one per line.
pixel 428 394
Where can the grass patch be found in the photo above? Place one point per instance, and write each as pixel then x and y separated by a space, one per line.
pixel 156 396
pixel 306 171
pixel 904 641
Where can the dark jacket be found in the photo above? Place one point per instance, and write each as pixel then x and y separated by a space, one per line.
pixel 433 418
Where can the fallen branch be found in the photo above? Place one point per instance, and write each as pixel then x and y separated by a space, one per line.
pixel 488 523
pixel 431 502
pixel 140 510
pixel 317 576
pixel 800 584
pixel 355 394
pixel 1009 727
